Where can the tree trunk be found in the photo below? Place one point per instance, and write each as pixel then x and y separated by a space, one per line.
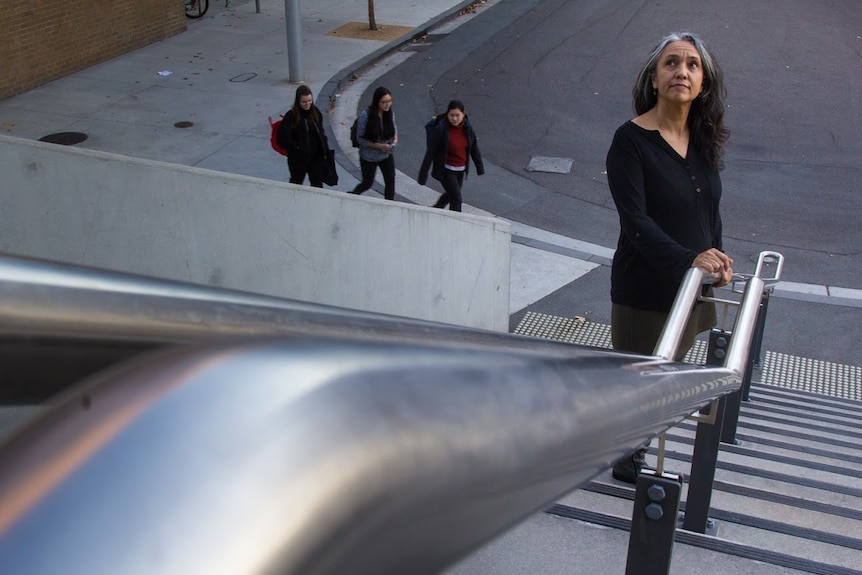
pixel 372 22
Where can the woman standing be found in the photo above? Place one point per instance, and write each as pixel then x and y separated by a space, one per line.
pixel 451 142
pixel 301 134
pixel 663 173
pixel 377 135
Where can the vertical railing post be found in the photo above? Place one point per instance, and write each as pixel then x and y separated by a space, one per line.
pixel 731 414
pixel 653 527
pixel 735 399
pixel 706 443
pixel 757 360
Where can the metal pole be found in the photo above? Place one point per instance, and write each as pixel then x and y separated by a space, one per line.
pixel 735 399
pixel 756 359
pixel 257 6
pixel 743 331
pixel 706 445
pixel 689 289
pixel 293 21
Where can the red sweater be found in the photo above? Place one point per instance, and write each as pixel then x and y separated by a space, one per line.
pixel 456 153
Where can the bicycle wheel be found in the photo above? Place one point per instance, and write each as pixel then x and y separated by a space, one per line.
pixel 196 8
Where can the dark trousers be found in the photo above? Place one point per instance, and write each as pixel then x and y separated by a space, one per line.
pixel 300 168
pixel 387 169
pixel 452 182
pixel 638 330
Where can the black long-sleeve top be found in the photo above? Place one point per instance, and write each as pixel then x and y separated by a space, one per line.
pixel 668 210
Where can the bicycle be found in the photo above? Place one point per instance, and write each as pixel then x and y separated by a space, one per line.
pixel 196 8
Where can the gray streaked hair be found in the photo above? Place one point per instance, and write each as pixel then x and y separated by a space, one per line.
pixel 705 119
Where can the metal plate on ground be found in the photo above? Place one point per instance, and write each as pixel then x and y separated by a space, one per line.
pixel 550 165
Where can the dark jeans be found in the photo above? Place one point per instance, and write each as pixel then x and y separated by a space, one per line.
pixel 387 169
pixel 452 182
pixel 300 168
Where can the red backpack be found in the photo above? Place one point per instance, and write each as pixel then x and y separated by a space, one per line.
pixel 273 136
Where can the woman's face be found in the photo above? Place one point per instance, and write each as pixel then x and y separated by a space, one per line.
pixel 384 103
pixel 305 102
pixel 455 116
pixel 679 73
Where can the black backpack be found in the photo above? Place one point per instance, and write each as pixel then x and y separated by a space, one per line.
pixel 353 137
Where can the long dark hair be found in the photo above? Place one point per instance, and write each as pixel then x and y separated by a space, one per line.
pixel 296 111
pixel 706 116
pixel 379 131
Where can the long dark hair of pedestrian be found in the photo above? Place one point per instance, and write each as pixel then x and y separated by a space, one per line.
pixel 706 116
pixel 296 111
pixel 373 128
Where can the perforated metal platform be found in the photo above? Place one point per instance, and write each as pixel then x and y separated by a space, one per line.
pixel 777 369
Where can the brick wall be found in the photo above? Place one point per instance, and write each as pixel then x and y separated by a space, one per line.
pixel 41 40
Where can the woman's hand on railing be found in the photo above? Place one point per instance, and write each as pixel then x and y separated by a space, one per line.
pixel 716 262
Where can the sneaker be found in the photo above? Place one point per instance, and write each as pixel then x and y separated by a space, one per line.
pixel 628 468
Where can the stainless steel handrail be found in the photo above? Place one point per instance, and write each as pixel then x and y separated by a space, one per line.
pixel 392 451
pixel 690 292
pixel 687 295
pixel 42 299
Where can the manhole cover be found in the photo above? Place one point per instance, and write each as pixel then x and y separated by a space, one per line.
pixel 184 124
pixel 552 165
pixel 64 138
pixel 243 77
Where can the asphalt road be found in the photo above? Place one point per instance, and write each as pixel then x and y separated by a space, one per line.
pixel 554 78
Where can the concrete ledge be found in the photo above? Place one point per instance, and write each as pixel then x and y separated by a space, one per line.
pixel 215 228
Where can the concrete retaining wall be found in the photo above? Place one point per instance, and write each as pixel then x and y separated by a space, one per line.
pixel 252 234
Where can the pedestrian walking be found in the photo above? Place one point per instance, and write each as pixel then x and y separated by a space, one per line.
pixel 377 134
pixel 450 144
pixel 301 134
pixel 663 173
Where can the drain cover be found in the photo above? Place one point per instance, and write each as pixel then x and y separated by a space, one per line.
pixel 64 138
pixel 551 165
pixel 244 77
pixel 183 125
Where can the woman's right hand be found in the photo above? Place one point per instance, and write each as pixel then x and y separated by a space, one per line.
pixel 716 262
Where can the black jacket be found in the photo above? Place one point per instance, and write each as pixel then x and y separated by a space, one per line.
pixel 304 142
pixel 437 141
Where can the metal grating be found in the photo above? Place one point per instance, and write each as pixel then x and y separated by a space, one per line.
pixel 778 369
pixel 570 330
pixel 814 375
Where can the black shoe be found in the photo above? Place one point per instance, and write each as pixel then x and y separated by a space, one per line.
pixel 629 467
